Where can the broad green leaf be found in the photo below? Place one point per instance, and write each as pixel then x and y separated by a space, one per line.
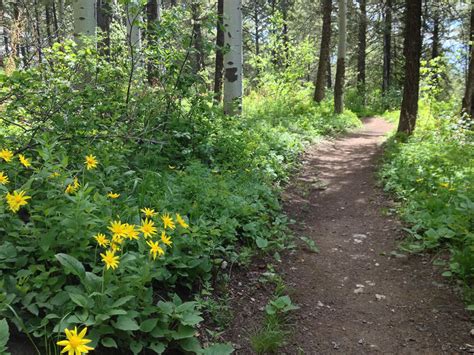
pixel 71 264
pixel 148 325
pixel 126 323
pixel 109 343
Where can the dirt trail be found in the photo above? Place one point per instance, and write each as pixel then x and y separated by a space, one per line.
pixel 355 296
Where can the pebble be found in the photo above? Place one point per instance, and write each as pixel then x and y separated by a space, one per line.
pixel 380 297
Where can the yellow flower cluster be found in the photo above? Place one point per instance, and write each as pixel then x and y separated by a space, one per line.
pixel 16 199
pixel 120 232
pixel 72 188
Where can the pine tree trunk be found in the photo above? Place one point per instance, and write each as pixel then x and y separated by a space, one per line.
pixel 198 62
pixel 320 85
pixel 286 39
pixel 361 58
pixel 341 59
pixel 387 47
pixel 38 32
pixel 55 19
pixel 329 75
pixel 468 100
pixel 84 19
pixel 153 17
pixel 233 58
pixel 48 24
pixel 412 52
pixel 219 65
pixel 104 19
pixel 257 29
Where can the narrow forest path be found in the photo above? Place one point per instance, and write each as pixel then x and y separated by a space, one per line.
pixel 355 296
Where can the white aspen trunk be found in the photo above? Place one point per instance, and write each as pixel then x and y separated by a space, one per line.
pixel 341 58
pixel 84 19
pixel 133 30
pixel 233 58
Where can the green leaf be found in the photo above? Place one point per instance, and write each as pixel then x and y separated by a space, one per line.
pixel 136 347
pixel 219 349
pixel 79 299
pixel 122 301
pixel 191 319
pixel 71 264
pixel 262 243
pixel 109 343
pixel 184 332
pixel 158 348
pixel 190 344
pixel 310 244
pixel 4 335
pixel 126 323
pixel 148 325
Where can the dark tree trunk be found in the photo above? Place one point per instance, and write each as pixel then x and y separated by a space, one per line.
pixel 38 32
pixel 468 100
pixel 361 58
pixel 197 37
pixel 329 75
pixel 152 12
pixel 341 58
pixel 104 18
pixel 436 37
pixel 55 19
pixel 412 52
pixel 320 85
pixel 219 66
pixel 48 25
pixel 387 47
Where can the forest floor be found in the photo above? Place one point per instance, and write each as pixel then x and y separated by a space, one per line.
pixel 358 294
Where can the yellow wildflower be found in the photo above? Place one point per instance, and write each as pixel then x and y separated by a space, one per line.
pixel 181 221
pixel 130 231
pixel 168 221
pixel 75 183
pixel 24 161
pixel 148 228
pixel 72 188
pixel 6 154
pixel 54 175
pixel 444 184
pixel 117 239
pixel 155 249
pixel 117 228
pixel 110 260
pixel 114 247
pixel 91 162
pixel 166 239
pixel 102 240
pixel 75 343
pixel 148 212
pixel 16 200
pixel 3 178
pixel 113 195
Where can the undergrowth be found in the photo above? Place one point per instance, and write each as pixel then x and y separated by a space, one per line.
pixel 432 174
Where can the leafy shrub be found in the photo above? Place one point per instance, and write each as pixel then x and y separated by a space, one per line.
pixel 432 174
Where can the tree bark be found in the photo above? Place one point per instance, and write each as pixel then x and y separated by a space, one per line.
pixel 48 24
pixel 320 85
pixel 153 17
pixel 436 36
pixel 219 65
pixel 362 46
pixel 286 39
pixel 233 58
pixel 412 52
pixel 341 59
pixel 329 75
pixel 198 63
pixel 387 47
pixel 468 100
pixel 84 19
pixel 38 32
pixel 104 19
